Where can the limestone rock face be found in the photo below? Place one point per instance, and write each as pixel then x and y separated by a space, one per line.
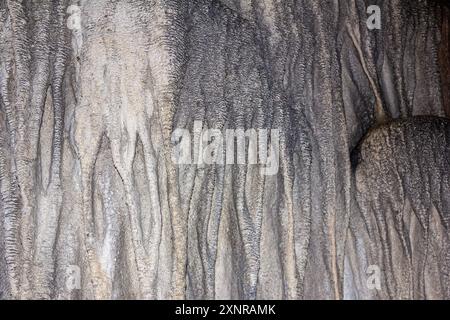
pixel 401 190
pixel 95 96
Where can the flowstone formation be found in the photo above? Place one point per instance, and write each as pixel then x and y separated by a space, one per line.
pixel 93 205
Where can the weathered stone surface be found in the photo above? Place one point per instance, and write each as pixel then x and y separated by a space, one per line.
pixel 88 183
pixel 402 187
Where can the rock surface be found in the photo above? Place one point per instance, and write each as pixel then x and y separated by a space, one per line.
pixel 93 206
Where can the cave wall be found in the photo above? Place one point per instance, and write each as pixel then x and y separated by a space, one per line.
pixel 88 183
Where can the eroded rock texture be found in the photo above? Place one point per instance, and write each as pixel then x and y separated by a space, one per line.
pixel 88 183
pixel 402 190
